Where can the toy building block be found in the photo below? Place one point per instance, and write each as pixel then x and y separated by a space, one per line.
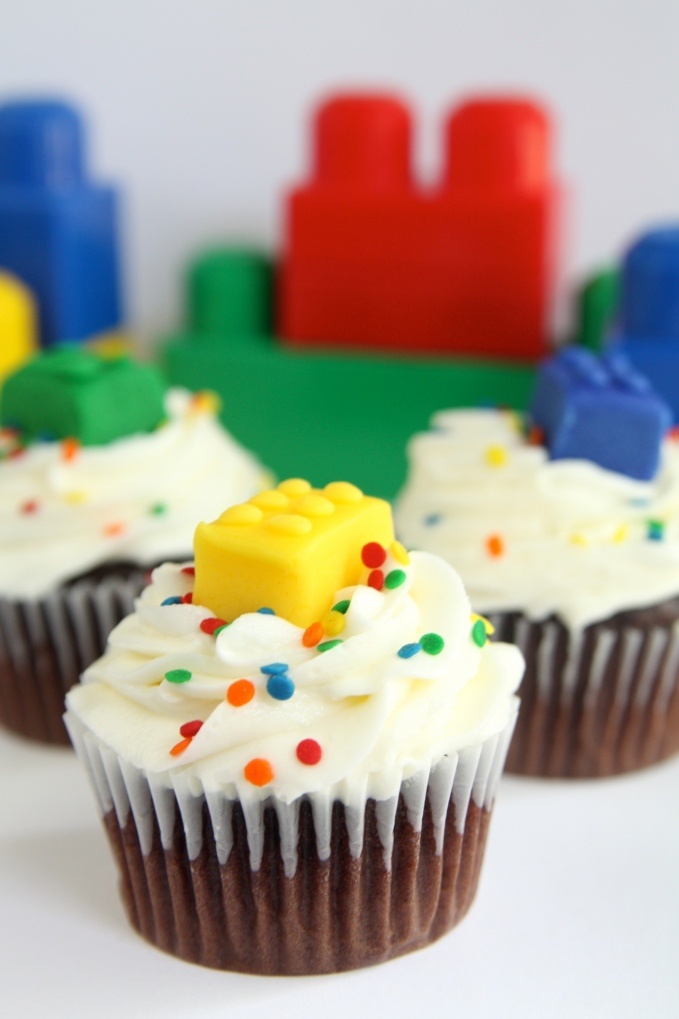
pixel 69 393
pixel 647 331
pixel 597 304
pixel 17 323
pixel 58 231
pixel 372 259
pixel 289 549
pixel 322 411
pixel 231 292
pixel 600 409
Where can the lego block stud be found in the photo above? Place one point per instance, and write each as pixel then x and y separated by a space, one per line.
pixel 230 293
pixel 289 549
pixel 600 409
pixel 363 141
pixel 17 323
pixel 650 286
pixel 497 143
pixel 41 145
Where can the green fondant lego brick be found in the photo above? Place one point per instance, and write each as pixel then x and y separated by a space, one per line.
pixel 73 393
pixel 230 293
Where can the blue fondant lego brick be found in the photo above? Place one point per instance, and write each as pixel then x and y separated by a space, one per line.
pixel 58 231
pixel 600 409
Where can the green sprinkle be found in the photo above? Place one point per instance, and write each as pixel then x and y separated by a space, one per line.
pixel 216 633
pixel 479 635
pixel 432 643
pixel 655 530
pixel 394 579
pixel 328 644
pixel 158 509
pixel 178 676
pixel 342 606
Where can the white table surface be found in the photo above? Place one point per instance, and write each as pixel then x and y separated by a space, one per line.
pixel 577 915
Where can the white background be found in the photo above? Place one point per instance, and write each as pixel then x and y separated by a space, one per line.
pixel 197 108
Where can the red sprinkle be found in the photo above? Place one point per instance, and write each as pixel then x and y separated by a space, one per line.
pixel 212 624
pixel 673 433
pixel 29 507
pixel 15 453
pixel 190 729
pixel 187 598
pixel 190 571
pixel 536 436
pixel 376 580
pixel 373 554
pixel 309 751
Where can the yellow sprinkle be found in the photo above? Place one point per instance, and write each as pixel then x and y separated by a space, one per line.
pixel 243 514
pixel 621 534
pixel 490 629
pixel 399 553
pixel 270 500
pixel 579 539
pixel 343 492
pixel 314 506
pixel 289 523
pixel 333 623
pixel 75 496
pixel 496 456
pixel 206 402
pixel 294 487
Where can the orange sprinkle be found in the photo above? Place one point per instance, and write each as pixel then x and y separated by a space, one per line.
pixel 258 771
pixel 69 449
pixel 180 747
pixel 312 635
pixel 536 436
pixel 240 692
pixel 113 530
pixel 673 433
pixel 495 545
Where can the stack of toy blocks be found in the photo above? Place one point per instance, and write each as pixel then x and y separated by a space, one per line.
pixel 371 258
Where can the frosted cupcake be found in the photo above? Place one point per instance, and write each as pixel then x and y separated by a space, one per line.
pixel 104 473
pixel 567 536
pixel 295 743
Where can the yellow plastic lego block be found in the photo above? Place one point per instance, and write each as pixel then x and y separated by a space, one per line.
pixel 289 549
pixel 17 324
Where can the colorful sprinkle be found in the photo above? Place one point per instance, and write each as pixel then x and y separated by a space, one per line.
pixel 113 530
pixel 496 456
pixel 187 599
pixel 178 676
pixel 333 623
pixel 210 625
pixel 309 751
pixel 394 579
pixel 274 669
pixel 328 645
pixel 373 555
pixel 312 635
pixel 190 571
pixel 495 545
pixel 432 643
pixel 408 650
pixel 240 692
pixel 655 530
pixel 29 507
pixel 486 622
pixel 219 629
pixel 621 534
pixel 579 539
pixel 206 402
pixel 479 635
pixel 173 600
pixel 266 611
pixel 69 449
pixel 432 519
pixel 158 509
pixel 376 579
pixel 536 436
pixel 258 771
pixel 75 496
pixel 190 729
pixel 673 433
pixel 180 747
pixel 280 687
pixel 341 606
pixel 399 553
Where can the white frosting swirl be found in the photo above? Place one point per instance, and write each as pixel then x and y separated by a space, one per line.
pixel 139 498
pixel 575 539
pixel 378 718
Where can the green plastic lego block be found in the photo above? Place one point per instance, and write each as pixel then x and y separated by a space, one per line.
pixel 72 393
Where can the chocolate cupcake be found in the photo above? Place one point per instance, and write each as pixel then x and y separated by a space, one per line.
pixel 104 474
pixel 566 534
pixel 295 743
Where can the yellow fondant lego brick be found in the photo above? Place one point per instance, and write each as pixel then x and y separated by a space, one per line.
pixel 289 549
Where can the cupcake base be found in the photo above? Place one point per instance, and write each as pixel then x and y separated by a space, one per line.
pixel 45 645
pixel 601 703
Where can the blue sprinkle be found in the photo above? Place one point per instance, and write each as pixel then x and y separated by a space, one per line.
pixel 174 600
pixel 432 519
pixel 275 669
pixel 266 612
pixel 280 687
pixel 408 650
pixel 640 502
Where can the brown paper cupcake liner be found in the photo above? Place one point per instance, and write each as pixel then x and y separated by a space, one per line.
pixel 315 886
pixel 599 703
pixel 45 645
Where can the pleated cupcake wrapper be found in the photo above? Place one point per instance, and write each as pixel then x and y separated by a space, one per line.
pixel 600 702
pixel 46 643
pixel 316 885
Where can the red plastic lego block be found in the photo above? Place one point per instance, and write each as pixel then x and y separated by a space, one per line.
pixel 371 258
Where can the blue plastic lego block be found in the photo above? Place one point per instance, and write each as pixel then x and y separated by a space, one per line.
pixel 58 231
pixel 600 409
pixel 647 333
